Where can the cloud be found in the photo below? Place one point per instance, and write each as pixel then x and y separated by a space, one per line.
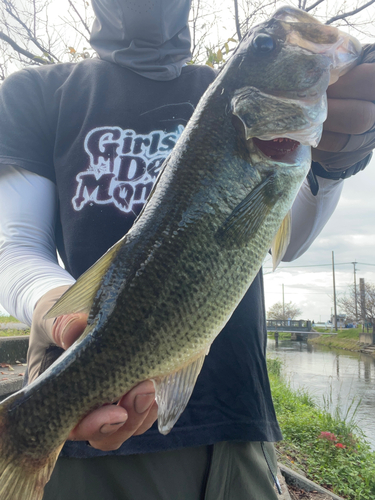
pixel 350 233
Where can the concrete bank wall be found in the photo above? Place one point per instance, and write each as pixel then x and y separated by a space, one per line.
pixel 13 349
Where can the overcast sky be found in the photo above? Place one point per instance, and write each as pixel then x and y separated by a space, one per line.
pixel 350 234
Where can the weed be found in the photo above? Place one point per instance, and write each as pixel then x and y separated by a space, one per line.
pixel 8 319
pixel 323 442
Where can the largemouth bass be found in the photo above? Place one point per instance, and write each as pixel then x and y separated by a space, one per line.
pixel 159 297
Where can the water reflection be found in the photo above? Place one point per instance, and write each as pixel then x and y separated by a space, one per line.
pixel 340 376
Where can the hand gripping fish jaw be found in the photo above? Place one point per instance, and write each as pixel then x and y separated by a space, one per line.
pixel 159 297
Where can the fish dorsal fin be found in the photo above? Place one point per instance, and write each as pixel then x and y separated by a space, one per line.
pixel 281 240
pixel 173 393
pixel 249 215
pixel 80 296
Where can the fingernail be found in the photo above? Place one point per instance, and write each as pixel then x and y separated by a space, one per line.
pixel 143 402
pixel 109 428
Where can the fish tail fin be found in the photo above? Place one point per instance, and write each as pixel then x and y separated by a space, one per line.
pixel 22 477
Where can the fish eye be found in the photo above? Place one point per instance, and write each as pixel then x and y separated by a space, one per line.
pixel 263 43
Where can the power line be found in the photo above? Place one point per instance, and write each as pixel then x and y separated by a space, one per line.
pixel 299 293
pixel 319 265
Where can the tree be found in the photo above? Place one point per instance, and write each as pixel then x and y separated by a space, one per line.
pixel 239 16
pixel 35 32
pixel 286 311
pixel 352 304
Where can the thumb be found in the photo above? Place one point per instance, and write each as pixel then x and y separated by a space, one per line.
pixel 68 328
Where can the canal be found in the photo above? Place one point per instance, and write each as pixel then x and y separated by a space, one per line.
pixel 342 377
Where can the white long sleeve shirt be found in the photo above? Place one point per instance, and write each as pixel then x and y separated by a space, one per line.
pixel 28 262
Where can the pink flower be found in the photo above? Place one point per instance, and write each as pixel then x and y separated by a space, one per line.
pixel 327 435
pixel 339 445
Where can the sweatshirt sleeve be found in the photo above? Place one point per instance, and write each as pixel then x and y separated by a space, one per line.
pixel 310 214
pixel 28 261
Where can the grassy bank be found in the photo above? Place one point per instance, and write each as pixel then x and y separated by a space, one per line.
pixel 14 333
pixel 11 332
pixel 8 319
pixel 330 450
pixel 347 339
pixel 282 335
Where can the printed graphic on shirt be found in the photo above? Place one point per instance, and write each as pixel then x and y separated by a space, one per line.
pixel 123 166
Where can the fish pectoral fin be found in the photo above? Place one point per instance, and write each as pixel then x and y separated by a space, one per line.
pixel 80 296
pixel 173 393
pixel 249 215
pixel 281 240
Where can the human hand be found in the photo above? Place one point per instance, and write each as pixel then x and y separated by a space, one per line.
pixel 109 426
pixel 349 132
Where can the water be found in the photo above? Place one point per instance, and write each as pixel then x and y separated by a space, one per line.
pixel 344 375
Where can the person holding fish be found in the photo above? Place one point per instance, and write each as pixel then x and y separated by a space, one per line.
pixel 81 148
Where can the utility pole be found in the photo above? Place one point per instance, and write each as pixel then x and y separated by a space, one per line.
pixel 362 292
pixel 334 288
pixel 283 303
pixel 355 292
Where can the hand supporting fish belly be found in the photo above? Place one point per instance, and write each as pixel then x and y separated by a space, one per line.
pixel 159 297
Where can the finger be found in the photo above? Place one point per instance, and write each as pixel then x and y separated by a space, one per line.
pixel 149 420
pixel 349 116
pixel 99 424
pixel 68 328
pixel 333 142
pixel 359 83
pixel 137 403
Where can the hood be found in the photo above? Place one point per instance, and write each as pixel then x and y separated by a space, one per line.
pixel 150 37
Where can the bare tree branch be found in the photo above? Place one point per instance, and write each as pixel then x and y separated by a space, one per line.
pixel 201 22
pixel 311 7
pixel 25 25
pixel 80 17
pixel 22 51
pixel 351 13
pixel 9 8
pixel 237 20
pixel 78 31
pixel 351 303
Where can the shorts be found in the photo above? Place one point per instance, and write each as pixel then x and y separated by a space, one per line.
pixel 224 471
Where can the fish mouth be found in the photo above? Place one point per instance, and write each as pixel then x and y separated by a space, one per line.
pixel 279 149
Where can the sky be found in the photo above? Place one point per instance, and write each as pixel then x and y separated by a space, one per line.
pixel 349 233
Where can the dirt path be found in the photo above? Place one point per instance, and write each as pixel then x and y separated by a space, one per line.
pixel 298 494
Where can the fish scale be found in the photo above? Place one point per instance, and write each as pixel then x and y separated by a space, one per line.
pixel 157 299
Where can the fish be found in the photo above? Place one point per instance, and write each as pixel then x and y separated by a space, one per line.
pixel 159 297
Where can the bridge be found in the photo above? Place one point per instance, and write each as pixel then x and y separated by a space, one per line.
pixel 289 325
pixel 300 329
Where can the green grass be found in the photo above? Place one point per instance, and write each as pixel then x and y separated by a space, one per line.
pixel 326 445
pixel 348 338
pixel 282 335
pixel 345 333
pixel 11 333
pixel 8 319
pixel 14 333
